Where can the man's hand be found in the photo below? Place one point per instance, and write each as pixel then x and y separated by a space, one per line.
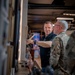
pixel 30 41
pixel 31 37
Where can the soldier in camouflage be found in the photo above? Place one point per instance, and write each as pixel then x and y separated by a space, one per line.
pixel 58 56
pixel 71 53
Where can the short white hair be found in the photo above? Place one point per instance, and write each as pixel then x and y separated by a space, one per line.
pixel 65 24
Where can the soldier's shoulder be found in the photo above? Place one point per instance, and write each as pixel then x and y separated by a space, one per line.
pixel 57 40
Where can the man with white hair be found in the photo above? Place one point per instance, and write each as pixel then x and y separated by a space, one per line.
pixel 58 56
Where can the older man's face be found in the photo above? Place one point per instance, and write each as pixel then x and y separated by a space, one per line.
pixel 57 28
pixel 48 29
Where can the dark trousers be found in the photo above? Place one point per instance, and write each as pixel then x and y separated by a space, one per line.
pixel 48 70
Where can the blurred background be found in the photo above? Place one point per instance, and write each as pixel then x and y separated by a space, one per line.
pixel 20 18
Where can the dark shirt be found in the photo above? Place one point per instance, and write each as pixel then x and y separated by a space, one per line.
pixel 45 52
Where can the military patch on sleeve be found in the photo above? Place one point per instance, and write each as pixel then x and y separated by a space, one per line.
pixel 57 45
pixel 57 41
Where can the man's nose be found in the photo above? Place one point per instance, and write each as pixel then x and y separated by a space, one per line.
pixel 46 28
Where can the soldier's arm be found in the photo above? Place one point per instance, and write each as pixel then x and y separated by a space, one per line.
pixel 55 52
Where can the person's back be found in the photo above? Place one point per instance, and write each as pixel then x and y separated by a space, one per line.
pixel 70 48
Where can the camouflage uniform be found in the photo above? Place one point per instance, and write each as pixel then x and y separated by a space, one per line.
pixel 58 56
pixel 71 53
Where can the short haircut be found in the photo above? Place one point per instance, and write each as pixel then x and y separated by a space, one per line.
pixel 49 22
pixel 64 23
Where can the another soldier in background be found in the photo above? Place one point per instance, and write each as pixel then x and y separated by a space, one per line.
pixel 71 53
pixel 58 56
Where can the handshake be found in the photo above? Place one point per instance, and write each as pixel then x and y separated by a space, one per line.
pixel 33 39
pixel 30 40
pixel 45 44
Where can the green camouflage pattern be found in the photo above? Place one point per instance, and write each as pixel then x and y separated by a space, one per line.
pixel 58 56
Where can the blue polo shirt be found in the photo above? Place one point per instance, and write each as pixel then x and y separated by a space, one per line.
pixel 45 52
